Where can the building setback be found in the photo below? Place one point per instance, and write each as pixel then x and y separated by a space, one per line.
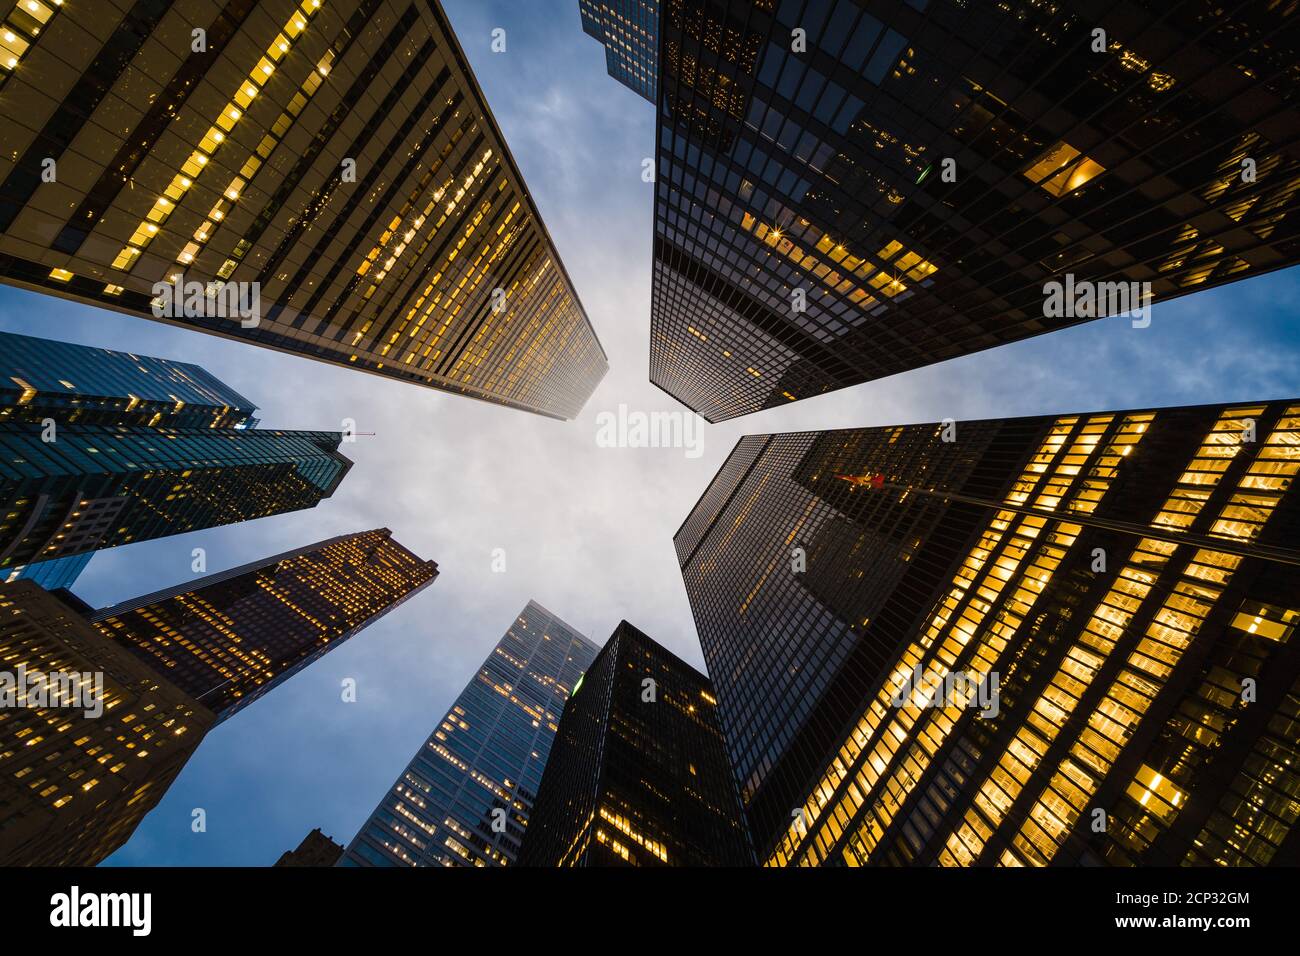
pixel 335 157
pixel 74 784
pixel 467 795
pixel 847 189
pixel 1106 603
pixel 228 638
pixel 629 32
pixel 638 774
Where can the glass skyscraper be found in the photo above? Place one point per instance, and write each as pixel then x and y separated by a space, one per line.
pixel 324 178
pixel 51 575
pixel 100 448
pixel 466 797
pixel 1052 640
pixel 629 32
pixel 228 638
pixel 847 189
pixel 43 378
pixel 638 775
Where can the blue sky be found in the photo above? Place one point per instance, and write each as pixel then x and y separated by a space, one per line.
pixel 587 531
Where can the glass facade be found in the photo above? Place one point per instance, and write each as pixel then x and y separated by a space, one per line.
pixel 629 32
pixel 51 575
pixel 101 486
pixel 74 787
pixel 337 157
pixel 847 189
pixel 638 775
pixel 228 638
pixel 1123 582
pixel 42 378
pixel 467 796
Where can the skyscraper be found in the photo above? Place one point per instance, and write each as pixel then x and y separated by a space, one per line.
pixel 43 378
pixel 51 575
pixel 90 738
pixel 101 486
pixel 228 638
pixel 629 32
pixel 323 177
pixel 101 448
pixel 639 774
pixel 1063 639
pixel 316 849
pixel 847 189
pixel 466 797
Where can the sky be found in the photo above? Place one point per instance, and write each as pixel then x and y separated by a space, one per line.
pixel 586 530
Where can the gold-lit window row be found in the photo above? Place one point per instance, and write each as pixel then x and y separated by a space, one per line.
pixel 225 122
pixel 20 28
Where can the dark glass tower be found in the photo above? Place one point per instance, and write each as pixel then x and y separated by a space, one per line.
pixel 100 486
pixel 847 189
pixel 74 784
pixel 639 774
pixel 42 378
pixel 1124 582
pixel 101 448
pixel 629 32
pixel 467 796
pixel 324 178
pixel 230 637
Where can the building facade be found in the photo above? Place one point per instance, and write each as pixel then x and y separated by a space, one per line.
pixel 80 764
pixel 467 796
pixel 316 849
pixel 629 32
pixel 1054 640
pixel 228 638
pixel 78 384
pixel 52 575
pixel 101 486
pixel 322 177
pixel 639 774
pixel 847 189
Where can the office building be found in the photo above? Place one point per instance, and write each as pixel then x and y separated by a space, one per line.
pixel 321 177
pixel 847 189
pixel 228 638
pixel 638 775
pixel 90 738
pixel 101 486
pixel 1063 639
pixel 76 384
pixel 467 795
pixel 52 575
pixel 629 32
pixel 316 849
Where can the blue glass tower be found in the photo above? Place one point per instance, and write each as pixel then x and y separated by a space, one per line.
pixel 51 575
pixel 465 797
pixel 629 31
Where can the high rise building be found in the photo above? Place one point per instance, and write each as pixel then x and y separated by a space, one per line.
pixel 42 378
pixel 638 774
pixel 321 177
pixel 629 32
pixel 52 575
pixel 228 638
pixel 101 448
pixel 467 795
pixel 1064 639
pixel 90 738
pixel 316 849
pixel 101 486
pixel 847 189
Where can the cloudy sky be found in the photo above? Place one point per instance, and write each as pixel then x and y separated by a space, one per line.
pixel 587 531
